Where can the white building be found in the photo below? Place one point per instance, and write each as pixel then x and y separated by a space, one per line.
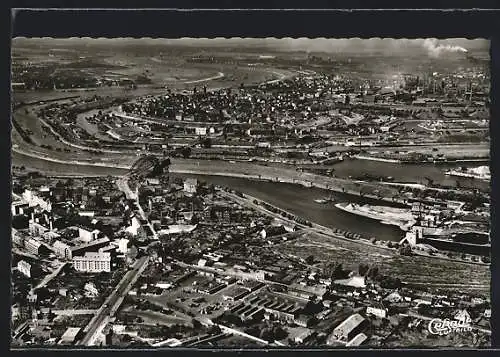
pixel 88 235
pixel 70 336
pixel 347 329
pixel 91 289
pixel 377 310
pixel 34 200
pixel 463 316
pixel 93 262
pixel 24 268
pixel 134 227
pixel 123 245
pixel 200 131
pixel 62 250
pixel 190 185
pixel 357 340
pixel 19 207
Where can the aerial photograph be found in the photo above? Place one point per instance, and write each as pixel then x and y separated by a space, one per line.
pixel 234 193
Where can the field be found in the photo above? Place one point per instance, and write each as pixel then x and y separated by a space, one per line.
pixel 415 269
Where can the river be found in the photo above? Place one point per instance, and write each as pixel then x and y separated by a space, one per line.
pixel 294 198
pixel 300 201
pixel 417 173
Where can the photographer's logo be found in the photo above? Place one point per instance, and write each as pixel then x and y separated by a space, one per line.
pixel 460 323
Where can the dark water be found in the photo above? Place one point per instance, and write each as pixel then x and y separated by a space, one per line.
pixel 411 173
pixel 300 201
pixel 54 168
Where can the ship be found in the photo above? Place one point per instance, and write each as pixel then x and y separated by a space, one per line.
pixel 324 200
pixel 399 217
pixel 321 200
pixel 481 173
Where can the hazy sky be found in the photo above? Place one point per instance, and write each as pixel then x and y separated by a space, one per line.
pixel 431 47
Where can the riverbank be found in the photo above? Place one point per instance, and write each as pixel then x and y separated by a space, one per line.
pixel 374 158
pixel 258 204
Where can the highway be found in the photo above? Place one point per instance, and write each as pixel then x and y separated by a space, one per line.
pixel 112 303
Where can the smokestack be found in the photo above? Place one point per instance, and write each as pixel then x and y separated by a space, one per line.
pixel 51 227
pixel 33 216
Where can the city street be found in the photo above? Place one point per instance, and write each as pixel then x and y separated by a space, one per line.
pixel 113 302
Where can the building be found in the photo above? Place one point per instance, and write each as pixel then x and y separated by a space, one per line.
pixel 123 245
pixel 303 335
pixel 234 294
pixel 354 281
pixel 377 309
pixel 349 328
pixel 93 262
pixel 135 227
pixel 90 246
pixel 275 307
pixel 32 297
pixel 86 235
pixel 34 200
pixel 15 312
pixel 70 336
pixel 37 229
pixel 463 317
pixel 302 320
pixel 19 207
pixel 62 250
pixel 91 290
pixel 33 246
pixel 190 185
pixel 200 131
pixel 25 268
pixel 357 340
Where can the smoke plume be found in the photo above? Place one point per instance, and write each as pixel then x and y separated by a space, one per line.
pixel 435 50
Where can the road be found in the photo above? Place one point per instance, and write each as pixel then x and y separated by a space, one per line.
pixel 50 276
pixel 112 303
pixel 468 286
pixel 73 312
pixel 208 322
pixel 123 185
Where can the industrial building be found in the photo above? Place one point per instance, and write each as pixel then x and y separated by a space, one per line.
pixel 347 329
pixel 93 262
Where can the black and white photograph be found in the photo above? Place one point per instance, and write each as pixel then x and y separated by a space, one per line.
pixel 235 193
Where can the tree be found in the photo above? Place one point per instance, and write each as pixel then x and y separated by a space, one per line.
pixel 405 250
pixel 363 269
pixel 207 143
pixel 196 324
pixel 186 152
pixel 373 272
pixel 389 282
pixel 339 272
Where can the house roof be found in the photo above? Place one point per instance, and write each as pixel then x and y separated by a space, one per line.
pixel 350 323
pixel 70 334
pixel 357 340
